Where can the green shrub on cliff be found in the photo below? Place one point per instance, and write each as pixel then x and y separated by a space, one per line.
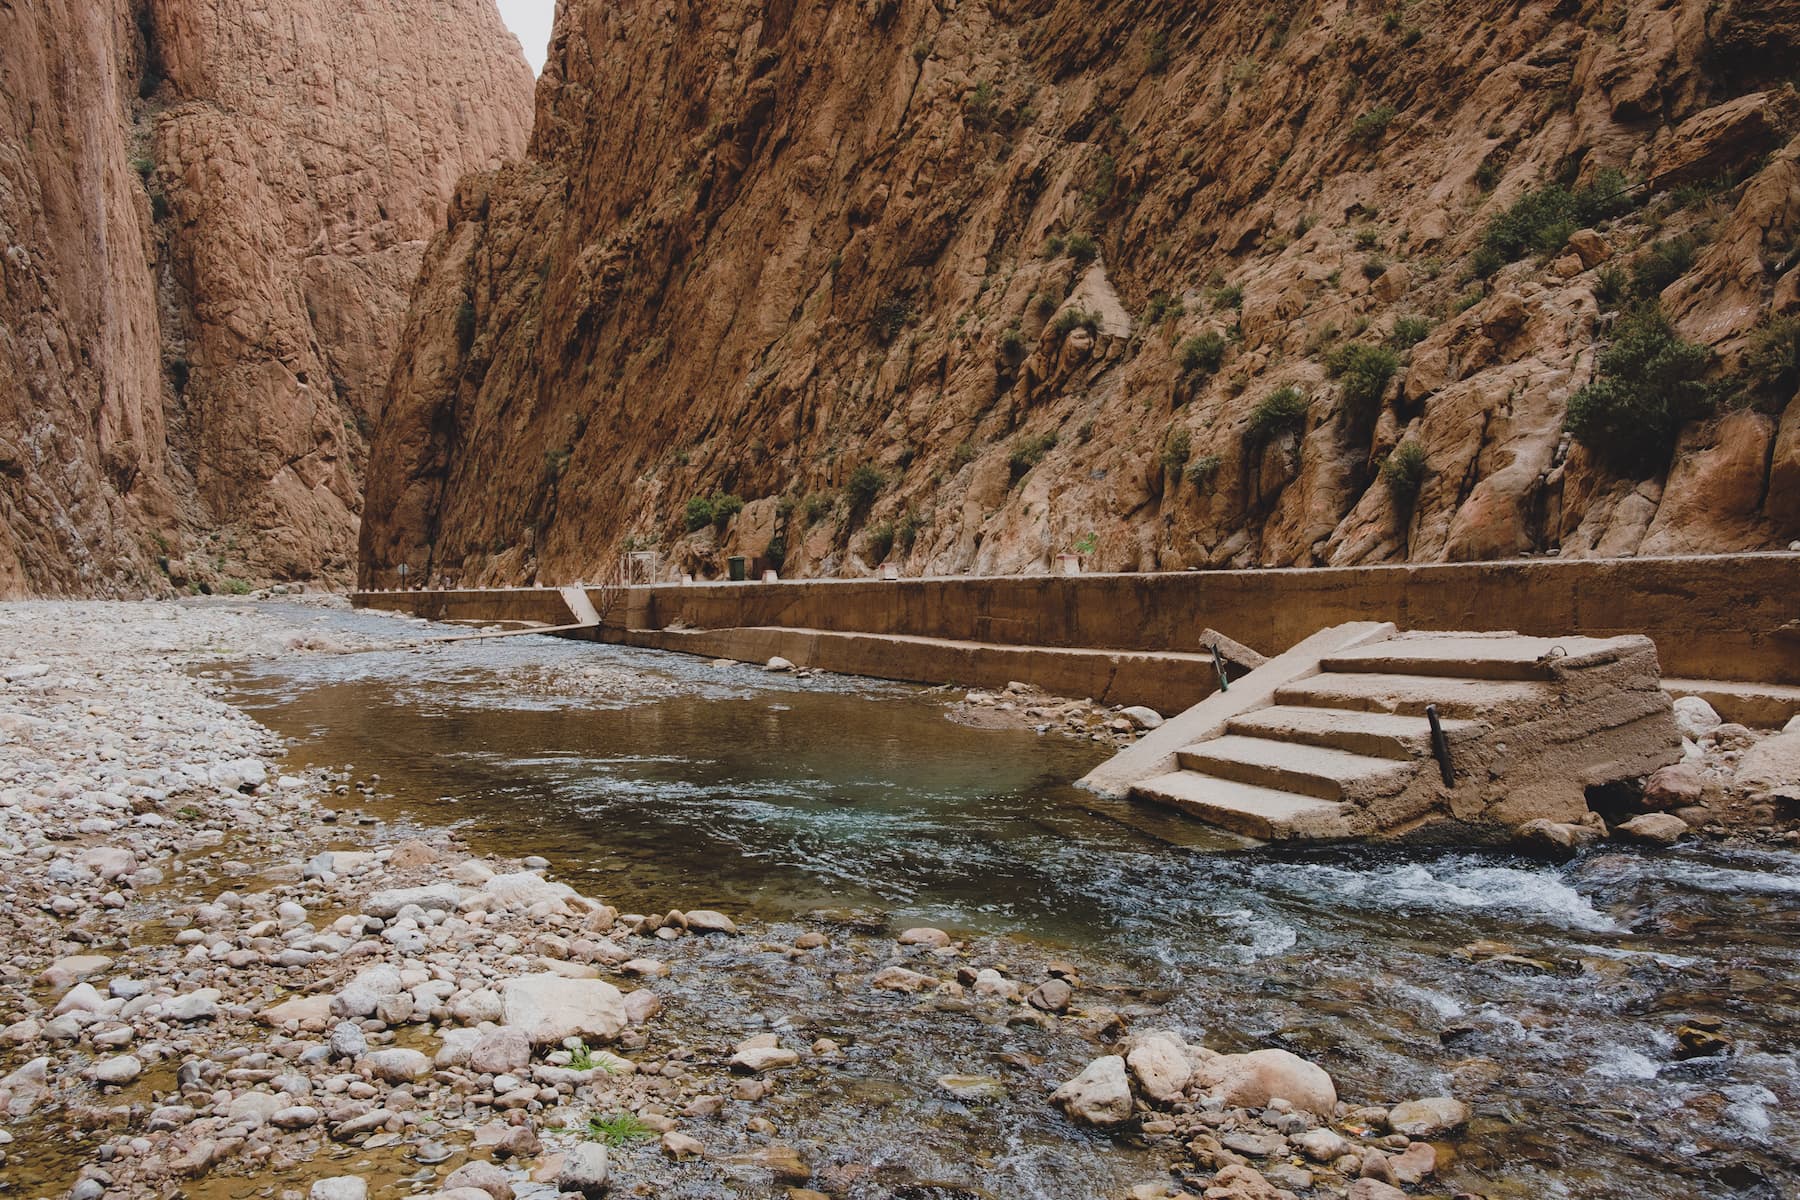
pixel 1649 385
pixel 699 513
pixel 1281 410
pixel 1203 353
pixel 865 484
pixel 1540 221
pixel 1028 452
pixel 1364 371
pixel 1404 473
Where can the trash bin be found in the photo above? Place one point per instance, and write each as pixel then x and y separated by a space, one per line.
pixel 736 567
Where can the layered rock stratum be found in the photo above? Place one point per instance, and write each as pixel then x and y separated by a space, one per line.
pixel 211 218
pixel 967 286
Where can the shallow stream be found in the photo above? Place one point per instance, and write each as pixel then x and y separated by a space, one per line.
pixel 1546 995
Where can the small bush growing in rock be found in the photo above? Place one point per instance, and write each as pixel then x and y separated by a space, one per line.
pixel 1661 265
pixel 891 316
pixel 1230 295
pixel 1409 332
pixel 982 106
pixel 1176 449
pixel 1540 221
pixel 1071 319
pixel 1083 248
pixel 1611 285
pixel 1012 344
pixel 1163 307
pixel 815 509
pixel 1203 470
pixel 1649 386
pixel 906 531
pixel 465 324
pixel 865 484
pixel 724 508
pixel 1404 472
pixel 1028 452
pixel 878 541
pixel 1365 371
pixel 1281 410
pixel 1054 246
pixel 1156 57
pixel 236 587
pixel 1771 373
pixel 700 513
pixel 775 553
pixel 1203 353
pixel 1368 128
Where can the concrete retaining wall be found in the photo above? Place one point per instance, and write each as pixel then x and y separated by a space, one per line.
pixel 1717 617
pixel 1731 617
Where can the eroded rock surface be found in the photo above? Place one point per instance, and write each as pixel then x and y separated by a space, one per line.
pixel 1038 269
pixel 211 217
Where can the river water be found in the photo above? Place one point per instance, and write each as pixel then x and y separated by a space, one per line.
pixel 1547 995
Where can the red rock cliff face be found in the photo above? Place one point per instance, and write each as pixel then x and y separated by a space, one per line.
pixel 969 285
pixel 213 216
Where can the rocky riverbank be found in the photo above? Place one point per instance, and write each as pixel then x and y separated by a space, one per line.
pixel 222 973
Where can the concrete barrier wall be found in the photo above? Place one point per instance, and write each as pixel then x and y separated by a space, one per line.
pixel 1732 617
pixel 542 605
pixel 1717 617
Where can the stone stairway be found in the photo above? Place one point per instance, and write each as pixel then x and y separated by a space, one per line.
pixel 1341 747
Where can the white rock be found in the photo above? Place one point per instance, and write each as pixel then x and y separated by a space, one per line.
pixel 202 1004
pixel 1429 1117
pixel 1141 717
pixel 522 889
pixel 116 1071
pixel 1323 1145
pixel 764 1058
pixel 340 1187
pixel 1100 1095
pixel 705 920
pixel 778 663
pixel 397 1065
pixel 1160 1063
pixel 1254 1079
pixel 1694 716
pixel 1658 828
pixel 550 1008
pixel 584 1170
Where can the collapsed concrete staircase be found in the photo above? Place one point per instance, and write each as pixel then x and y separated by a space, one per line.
pixel 1333 740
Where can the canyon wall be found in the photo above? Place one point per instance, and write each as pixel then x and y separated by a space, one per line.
pixel 963 286
pixel 211 218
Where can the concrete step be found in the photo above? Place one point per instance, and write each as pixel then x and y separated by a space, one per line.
pixel 1316 771
pixel 1242 808
pixel 1758 705
pixel 1407 695
pixel 1373 734
pixel 1467 656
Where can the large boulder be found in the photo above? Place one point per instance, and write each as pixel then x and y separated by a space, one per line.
pixel 1160 1063
pixel 550 1008
pixel 523 889
pixel 1252 1080
pixel 584 1171
pixel 1772 765
pixel 1100 1095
